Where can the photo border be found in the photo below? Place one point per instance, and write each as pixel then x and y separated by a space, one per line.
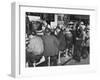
pixel 16 63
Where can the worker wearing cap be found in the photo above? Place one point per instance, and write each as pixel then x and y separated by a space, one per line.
pixel 36 25
pixel 34 45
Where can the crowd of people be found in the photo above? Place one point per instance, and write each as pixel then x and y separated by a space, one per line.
pixel 46 42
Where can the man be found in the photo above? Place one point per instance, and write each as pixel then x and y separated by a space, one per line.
pixel 50 47
pixel 34 43
pixel 79 50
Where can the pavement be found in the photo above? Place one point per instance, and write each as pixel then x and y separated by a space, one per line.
pixel 68 61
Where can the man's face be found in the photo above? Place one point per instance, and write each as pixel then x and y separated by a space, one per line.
pixel 35 25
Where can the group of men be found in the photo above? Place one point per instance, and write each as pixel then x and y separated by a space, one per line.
pixel 75 33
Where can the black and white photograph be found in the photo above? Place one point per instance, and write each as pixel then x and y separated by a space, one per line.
pixel 56 39
pixel 53 40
